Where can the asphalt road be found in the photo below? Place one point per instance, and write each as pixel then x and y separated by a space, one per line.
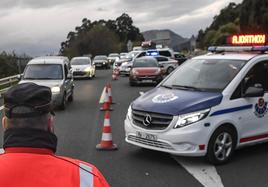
pixel 79 129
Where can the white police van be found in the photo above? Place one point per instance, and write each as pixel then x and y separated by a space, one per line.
pixel 209 106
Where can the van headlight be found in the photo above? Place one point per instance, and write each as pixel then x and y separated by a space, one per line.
pixel 55 89
pixel 129 113
pixel 187 119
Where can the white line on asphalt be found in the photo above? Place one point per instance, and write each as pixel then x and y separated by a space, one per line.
pixel 1 151
pixel 1 108
pixel 206 174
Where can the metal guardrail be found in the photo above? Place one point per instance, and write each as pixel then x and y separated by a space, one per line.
pixel 7 82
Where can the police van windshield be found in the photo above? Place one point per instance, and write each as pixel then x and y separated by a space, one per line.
pixel 43 71
pixel 205 74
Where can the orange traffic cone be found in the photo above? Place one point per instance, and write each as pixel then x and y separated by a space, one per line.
pixel 110 93
pixel 106 104
pixel 106 139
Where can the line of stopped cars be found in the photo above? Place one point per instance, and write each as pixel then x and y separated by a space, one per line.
pixel 148 66
pixel 58 72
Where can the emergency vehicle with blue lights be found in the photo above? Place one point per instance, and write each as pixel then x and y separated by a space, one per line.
pixel 209 106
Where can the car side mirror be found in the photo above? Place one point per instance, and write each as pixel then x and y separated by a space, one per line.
pixel 69 76
pixel 254 91
pixel 161 66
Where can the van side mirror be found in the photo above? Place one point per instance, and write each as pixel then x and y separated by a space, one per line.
pixel 19 76
pixel 254 91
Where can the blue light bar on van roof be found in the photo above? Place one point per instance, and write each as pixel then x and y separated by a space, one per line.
pixel 152 53
pixel 218 49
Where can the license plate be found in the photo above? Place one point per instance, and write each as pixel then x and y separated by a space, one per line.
pixel 147 81
pixel 146 136
pixel 98 65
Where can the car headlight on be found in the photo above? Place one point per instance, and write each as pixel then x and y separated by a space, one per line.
pixel 187 119
pixel 87 69
pixel 55 89
pixel 129 113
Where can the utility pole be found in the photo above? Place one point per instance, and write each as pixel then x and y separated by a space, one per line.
pixel 19 64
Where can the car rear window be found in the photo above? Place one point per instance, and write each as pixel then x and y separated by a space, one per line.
pixel 145 62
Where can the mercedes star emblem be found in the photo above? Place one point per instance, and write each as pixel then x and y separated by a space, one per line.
pixel 147 120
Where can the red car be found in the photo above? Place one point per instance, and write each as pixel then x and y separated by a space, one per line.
pixel 145 70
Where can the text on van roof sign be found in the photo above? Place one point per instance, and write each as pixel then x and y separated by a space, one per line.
pixel 258 39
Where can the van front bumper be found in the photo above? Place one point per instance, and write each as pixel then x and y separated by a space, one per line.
pixel 188 141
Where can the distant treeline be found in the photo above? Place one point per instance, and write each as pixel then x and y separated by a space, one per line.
pixel 101 37
pixel 251 16
pixel 12 64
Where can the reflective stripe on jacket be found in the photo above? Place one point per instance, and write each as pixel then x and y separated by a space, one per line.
pixel 38 167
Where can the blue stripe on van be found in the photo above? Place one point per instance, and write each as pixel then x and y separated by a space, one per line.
pixel 230 110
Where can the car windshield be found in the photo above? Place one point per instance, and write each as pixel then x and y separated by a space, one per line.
pixel 43 71
pixel 205 74
pixel 145 63
pixel 100 58
pixel 80 62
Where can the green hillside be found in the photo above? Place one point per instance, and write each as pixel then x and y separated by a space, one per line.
pixel 251 16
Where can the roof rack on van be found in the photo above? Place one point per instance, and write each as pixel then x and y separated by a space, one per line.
pixel 220 49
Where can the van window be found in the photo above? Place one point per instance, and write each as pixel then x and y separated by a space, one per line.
pixel 165 53
pixel 258 74
pixel 161 59
pixel 141 55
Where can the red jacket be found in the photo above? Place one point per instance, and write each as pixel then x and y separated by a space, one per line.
pixel 39 167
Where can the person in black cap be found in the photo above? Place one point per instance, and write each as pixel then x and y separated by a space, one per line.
pixel 30 144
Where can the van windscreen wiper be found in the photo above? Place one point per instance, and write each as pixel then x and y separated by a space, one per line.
pixel 166 86
pixel 184 87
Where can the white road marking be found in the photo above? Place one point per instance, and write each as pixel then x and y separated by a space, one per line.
pixel 206 174
pixel 1 151
pixel 1 108
pixel 141 93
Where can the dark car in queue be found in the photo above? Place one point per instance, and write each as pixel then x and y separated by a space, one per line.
pixel 145 70
pixel 180 57
pixel 101 61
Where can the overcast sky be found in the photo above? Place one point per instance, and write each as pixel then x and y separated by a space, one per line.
pixel 37 27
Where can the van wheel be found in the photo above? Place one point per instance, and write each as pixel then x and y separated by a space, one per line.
pixel 169 70
pixel 221 145
pixel 63 103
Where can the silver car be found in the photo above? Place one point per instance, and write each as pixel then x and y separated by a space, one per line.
pixel 168 64
pixel 53 72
